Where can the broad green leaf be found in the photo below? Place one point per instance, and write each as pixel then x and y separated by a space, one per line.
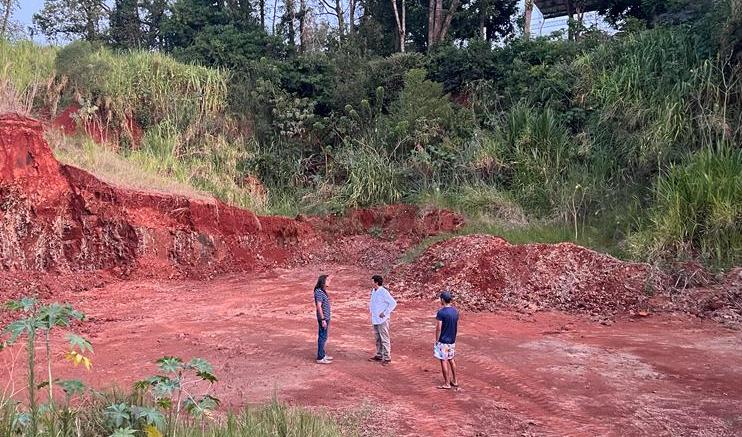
pixel 207 376
pixel 20 327
pixel 200 365
pixel 151 416
pixel 25 304
pixel 124 432
pixel 142 385
pixel 165 387
pixel 79 342
pixel 118 414
pixel 170 364
pixel 198 408
pixel 71 387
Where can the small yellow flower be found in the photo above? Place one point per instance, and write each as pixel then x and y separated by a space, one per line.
pixel 77 358
pixel 152 431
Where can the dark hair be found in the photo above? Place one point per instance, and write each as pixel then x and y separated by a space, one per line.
pixel 378 279
pixel 321 283
pixel 446 297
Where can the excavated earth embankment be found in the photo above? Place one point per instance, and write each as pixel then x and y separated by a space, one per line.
pixel 60 219
pixel 62 228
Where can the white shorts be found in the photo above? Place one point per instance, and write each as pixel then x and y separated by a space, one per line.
pixel 444 351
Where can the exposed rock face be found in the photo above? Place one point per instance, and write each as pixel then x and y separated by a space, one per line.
pixel 57 218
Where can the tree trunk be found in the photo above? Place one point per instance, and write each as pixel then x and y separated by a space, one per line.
pixel 431 23
pixel 262 13
pixel 90 21
pixel 7 5
pixel 351 16
pixel 527 23
pixel 438 21
pixel 483 6
pixel 273 23
pixel 291 15
pixel 302 25
pixel 438 25
pixel 570 27
pixel 341 17
pixel 449 17
pixel 401 31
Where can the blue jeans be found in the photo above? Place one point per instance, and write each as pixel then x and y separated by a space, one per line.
pixel 322 339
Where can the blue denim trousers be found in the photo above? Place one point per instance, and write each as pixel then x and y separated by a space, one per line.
pixel 322 339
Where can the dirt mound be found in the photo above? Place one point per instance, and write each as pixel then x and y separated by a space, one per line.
pixel 57 218
pixel 487 273
pixel 717 298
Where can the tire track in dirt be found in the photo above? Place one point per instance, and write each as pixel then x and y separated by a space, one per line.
pixel 530 399
pixel 450 412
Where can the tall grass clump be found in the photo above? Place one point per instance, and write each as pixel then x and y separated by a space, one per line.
pixel 26 75
pixel 149 87
pixel 117 169
pixel 212 165
pixel 697 211
pixel 659 94
pixel 372 177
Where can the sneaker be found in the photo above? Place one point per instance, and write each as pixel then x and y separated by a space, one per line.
pixel 328 358
pixel 375 358
pixel 324 361
pixel 386 362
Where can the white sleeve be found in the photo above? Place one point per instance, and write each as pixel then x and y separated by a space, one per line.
pixel 390 302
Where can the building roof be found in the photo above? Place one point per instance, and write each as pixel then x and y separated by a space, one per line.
pixel 558 8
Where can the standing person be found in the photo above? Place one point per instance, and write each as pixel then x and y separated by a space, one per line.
pixel 322 304
pixel 447 321
pixel 381 306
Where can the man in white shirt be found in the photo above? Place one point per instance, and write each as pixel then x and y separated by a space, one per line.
pixel 381 306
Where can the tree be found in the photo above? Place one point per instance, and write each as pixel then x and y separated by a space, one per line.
pixel 438 22
pixel 651 11
pixel 152 20
pixel 487 19
pixel 401 23
pixel 377 30
pixel 6 10
pixel 223 34
pixel 289 20
pixel 126 26
pixel 69 19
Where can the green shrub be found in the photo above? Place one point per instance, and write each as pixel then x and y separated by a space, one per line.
pixel 26 77
pixel 372 177
pixel 697 211
pixel 147 86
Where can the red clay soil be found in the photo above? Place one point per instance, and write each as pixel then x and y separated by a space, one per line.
pixel 96 128
pixel 59 218
pixel 487 273
pixel 533 375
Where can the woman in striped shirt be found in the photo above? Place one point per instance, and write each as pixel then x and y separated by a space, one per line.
pixel 322 303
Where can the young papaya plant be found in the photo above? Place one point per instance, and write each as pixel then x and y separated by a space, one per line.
pixel 175 390
pixel 40 320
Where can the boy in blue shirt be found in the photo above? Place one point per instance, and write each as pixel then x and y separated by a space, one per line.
pixel 447 321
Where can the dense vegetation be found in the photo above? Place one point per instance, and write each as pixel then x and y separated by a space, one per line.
pixel 629 143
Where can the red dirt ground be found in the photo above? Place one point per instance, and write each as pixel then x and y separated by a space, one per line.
pixel 542 374
pixel 168 275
